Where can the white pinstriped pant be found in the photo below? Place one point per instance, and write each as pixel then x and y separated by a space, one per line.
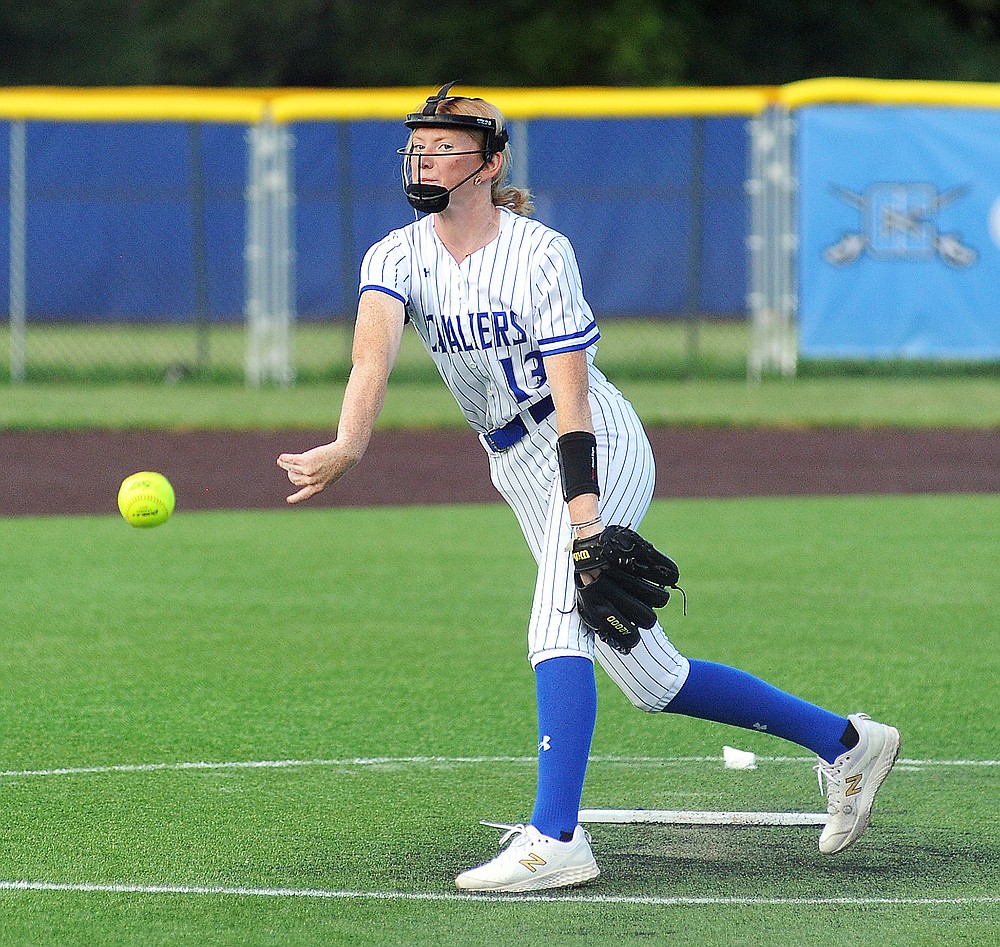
pixel 527 476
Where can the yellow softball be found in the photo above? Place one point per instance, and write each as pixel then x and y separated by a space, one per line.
pixel 146 499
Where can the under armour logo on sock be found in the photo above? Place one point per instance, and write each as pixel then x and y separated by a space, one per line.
pixel 546 744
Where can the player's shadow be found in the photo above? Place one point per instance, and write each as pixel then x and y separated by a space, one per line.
pixel 777 861
pixel 714 861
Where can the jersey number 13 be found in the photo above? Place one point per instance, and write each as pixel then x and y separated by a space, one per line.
pixel 533 371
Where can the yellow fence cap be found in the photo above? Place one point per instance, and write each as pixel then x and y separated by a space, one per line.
pixel 183 103
pixel 889 92
pixel 580 102
pixel 135 104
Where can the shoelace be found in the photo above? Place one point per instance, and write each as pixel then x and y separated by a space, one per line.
pixel 520 829
pixel 509 830
pixel 833 781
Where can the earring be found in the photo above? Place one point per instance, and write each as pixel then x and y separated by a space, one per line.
pixel 478 180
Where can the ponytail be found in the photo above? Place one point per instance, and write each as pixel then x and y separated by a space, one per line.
pixel 517 199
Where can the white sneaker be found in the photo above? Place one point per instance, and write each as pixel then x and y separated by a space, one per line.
pixel 532 862
pixel 852 781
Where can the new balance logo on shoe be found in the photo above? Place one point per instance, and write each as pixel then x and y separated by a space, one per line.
pixel 532 862
pixel 854 784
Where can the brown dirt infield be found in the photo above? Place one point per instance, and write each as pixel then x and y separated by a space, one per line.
pixel 75 473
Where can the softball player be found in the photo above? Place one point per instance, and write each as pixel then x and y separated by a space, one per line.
pixel 497 301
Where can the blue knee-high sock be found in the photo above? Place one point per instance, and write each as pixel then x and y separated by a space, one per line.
pixel 727 695
pixel 567 712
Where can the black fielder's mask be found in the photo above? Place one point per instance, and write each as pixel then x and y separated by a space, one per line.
pixel 433 198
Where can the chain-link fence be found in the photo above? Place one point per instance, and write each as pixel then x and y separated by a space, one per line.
pixel 166 234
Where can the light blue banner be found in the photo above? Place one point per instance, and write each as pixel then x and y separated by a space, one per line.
pixel 899 242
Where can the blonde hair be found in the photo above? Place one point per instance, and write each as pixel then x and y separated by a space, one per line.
pixel 503 194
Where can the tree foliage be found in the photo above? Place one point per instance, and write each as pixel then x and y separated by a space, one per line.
pixel 347 43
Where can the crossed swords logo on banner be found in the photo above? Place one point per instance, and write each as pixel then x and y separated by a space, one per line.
pixel 898 224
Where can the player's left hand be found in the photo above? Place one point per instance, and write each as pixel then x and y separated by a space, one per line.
pixel 632 578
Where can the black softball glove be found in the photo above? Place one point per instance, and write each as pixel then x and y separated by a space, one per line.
pixel 633 580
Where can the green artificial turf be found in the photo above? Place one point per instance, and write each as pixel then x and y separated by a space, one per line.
pixel 284 727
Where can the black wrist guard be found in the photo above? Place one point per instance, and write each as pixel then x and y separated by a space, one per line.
pixel 577 453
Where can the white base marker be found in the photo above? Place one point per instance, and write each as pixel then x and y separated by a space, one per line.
pixel 694 817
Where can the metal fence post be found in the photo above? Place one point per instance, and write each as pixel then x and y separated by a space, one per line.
pixel 519 153
pixel 199 265
pixel 772 245
pixel 345 200
pixel 17 290
pixel 695 235
pixel 270 255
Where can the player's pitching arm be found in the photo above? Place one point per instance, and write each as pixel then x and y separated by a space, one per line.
pixel 377 336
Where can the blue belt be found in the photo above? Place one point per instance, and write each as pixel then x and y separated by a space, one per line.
pixel 508 435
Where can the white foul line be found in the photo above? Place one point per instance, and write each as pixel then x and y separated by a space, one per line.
pixel 664 901
pixel 424 761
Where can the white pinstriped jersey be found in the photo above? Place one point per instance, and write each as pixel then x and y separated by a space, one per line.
pixel 488 322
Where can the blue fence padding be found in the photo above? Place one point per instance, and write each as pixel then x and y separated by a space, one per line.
pixel 111 213
pixel 110 231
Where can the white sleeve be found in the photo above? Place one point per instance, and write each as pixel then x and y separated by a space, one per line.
pixel 386 267
pixel 564 321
